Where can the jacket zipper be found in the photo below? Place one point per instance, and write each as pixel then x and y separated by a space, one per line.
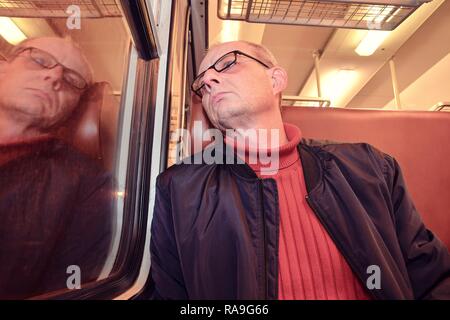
pixel 264 237
pixel 340 247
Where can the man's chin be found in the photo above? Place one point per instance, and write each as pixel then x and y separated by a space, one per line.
pixel 28 110
pixel 232 111
pixel 35 110
pixel 231 120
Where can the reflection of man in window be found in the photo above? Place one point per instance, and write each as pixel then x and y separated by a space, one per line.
pixel 54 201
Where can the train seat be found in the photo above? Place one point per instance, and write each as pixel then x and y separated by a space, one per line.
pixel 415 138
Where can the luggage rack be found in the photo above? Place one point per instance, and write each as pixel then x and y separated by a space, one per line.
pixel 300 101
pixel 366 14
pixel 441 106
pixel 57 8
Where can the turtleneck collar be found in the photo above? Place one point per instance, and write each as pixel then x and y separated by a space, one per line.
pixel 260 159
pixel 28 141
pixel 18 148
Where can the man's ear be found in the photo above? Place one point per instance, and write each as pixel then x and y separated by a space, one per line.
pixel 279 79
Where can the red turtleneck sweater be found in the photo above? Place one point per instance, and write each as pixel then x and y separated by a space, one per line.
pixel 310 265
pixel 14 149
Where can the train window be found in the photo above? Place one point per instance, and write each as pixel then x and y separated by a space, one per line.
pixel 66 74
pixel 179 90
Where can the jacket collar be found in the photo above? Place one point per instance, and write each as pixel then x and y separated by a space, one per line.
pixel 311 165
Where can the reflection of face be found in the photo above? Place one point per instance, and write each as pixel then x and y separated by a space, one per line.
pixel 238 93
pixel 39 96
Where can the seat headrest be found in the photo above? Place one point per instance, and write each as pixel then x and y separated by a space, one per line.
pixel 92 127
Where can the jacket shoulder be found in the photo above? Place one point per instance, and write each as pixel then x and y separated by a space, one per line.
pixel 185 170
pixel 213 157
pixel 361 153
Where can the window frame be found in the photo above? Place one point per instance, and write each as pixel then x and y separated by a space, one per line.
pixel 141 79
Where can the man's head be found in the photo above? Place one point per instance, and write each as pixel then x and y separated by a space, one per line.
pixel 246 91
pixel 42 81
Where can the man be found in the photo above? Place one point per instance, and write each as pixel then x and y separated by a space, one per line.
pixel 317 226
pixel 54 201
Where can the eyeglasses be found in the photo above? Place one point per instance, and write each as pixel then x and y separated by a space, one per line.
pixel 46 60
pixel 223 63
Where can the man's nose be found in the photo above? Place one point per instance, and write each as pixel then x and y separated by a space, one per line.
pixel 54 76
pixel 211 78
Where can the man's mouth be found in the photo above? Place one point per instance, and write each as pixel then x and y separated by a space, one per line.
pixel 42 94
pixel 217 97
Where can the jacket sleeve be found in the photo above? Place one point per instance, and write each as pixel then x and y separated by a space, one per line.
pixel 166 278
pixel 85 239
pixel 427 258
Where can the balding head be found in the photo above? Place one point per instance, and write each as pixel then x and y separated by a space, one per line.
pixel 65 49
pixel 244 93
pixel 258 50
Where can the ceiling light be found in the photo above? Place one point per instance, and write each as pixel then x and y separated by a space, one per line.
pixel 230 31
pixel 10 32
pixel 339 84
pixel 370 43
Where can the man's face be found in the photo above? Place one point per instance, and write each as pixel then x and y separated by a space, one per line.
pixel 237 94
pixel 39 96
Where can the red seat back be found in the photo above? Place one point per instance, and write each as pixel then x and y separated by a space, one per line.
pixel 93 126
pixel 417 139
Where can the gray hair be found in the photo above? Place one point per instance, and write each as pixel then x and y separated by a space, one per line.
pixel 261 52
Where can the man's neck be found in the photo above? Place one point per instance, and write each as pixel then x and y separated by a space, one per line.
pixel 261 132
pixel 12 131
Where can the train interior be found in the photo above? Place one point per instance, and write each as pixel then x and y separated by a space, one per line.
pixel 359 71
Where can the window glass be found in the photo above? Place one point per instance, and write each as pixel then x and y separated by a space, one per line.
pixel 62 70
pixel 179 91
